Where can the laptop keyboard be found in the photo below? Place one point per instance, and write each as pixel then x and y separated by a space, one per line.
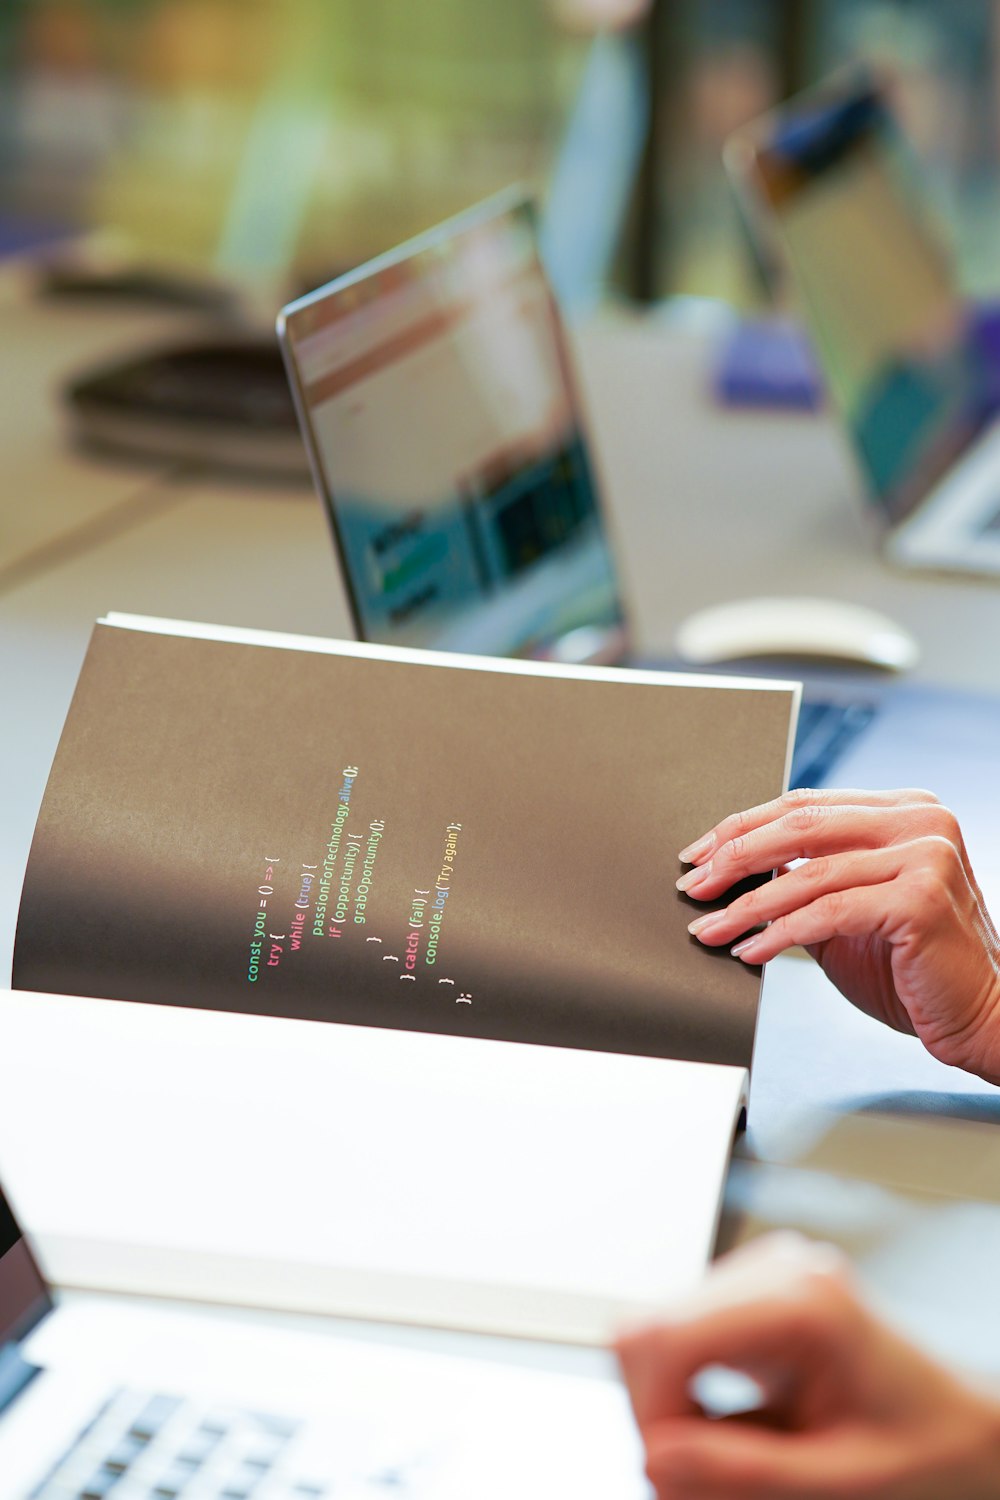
pixel 824 732
pixel 146 1446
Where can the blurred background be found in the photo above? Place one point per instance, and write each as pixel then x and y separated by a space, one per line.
pixel 293 138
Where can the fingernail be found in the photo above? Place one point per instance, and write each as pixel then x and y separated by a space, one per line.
pixel 703 924
pixel 742 950
pixel 697 850
pixel 694 877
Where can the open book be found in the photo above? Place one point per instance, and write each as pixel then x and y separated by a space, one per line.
pixel 478 851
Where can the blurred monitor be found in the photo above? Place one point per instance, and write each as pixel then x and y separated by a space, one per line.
pixel 224 154
pixel 830 180
pixel 436 401
pixel 265 142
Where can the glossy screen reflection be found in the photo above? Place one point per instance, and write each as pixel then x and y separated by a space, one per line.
pixel 443 425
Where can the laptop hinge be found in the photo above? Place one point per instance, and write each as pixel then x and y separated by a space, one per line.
pixel 15 1374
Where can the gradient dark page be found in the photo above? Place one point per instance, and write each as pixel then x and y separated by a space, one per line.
pixel 341 838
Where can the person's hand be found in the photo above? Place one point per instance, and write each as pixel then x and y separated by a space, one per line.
pixel 885 900
pixel 849 1409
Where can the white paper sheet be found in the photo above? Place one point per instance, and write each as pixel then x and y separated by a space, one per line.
pixel 440 1180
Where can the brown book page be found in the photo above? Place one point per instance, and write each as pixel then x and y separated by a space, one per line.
pixel 352 838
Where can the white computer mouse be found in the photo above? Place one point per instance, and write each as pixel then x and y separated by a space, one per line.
pixel 821 629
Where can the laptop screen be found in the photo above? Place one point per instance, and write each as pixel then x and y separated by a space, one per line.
pixel 875 284
pixel 437 405
pixel 24 1297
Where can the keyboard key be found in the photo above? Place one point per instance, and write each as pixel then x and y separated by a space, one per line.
pixel 124 1454
pixel 279 1427
pixel 196 1447
pixel 154 1415
pixel 212 1429
pixel 100 1486
pixel 259 1463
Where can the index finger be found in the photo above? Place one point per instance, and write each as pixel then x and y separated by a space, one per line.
pixel 763 1305
pixel 740 823
pixel 779 1340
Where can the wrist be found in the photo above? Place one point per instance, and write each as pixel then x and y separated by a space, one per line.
pixel 988 1468
pixel 974 1040
pixel 988 1033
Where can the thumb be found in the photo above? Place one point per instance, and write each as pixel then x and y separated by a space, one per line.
pixel 690 1456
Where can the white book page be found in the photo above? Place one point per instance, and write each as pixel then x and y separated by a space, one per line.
pixel 443 1180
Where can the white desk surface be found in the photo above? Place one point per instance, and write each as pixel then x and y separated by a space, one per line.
pixel 855 1133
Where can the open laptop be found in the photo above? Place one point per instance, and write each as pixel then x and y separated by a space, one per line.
pixel 437 404
pixel 110 1400
pixel 911 369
